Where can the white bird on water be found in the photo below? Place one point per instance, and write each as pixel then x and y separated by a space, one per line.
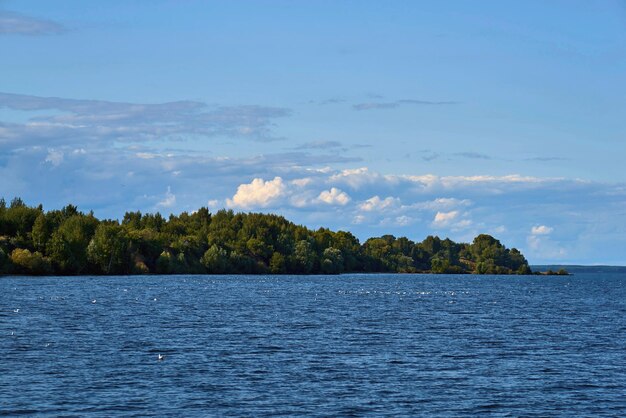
pixel 160 357
pixel 93 301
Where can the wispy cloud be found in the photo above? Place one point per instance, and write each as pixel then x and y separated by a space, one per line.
pixel 331 101
pixel 398 103
pixel 321 145
pixel 545 159
pixel 473 155
pixel 430 155
pixel 92 121
pixel 169 199
pixel 12 23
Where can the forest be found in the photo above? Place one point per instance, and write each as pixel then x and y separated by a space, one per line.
pixel 70 242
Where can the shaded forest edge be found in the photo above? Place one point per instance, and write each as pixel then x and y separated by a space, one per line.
pixel 70 242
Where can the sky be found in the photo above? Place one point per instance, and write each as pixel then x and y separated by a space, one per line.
pixel 378 117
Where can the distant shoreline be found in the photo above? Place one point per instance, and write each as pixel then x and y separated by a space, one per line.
pixel 580 268
pixel 354 273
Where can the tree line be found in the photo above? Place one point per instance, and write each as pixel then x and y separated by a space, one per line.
pixel 70 242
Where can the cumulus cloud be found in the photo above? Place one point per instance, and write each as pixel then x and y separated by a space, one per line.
pixel 444 219
pixel 334 196
pixel 12 23
pixel 451 220
pixel 258 193
pixel 375 203
pixel 541 230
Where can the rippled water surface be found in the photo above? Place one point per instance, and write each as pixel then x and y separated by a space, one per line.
pixel 313 345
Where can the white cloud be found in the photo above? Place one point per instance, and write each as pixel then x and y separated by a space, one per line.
pixel 54 157
pixel 258 193
pixel 214 204
pixel 85 122
pixel 453 220
pixel 334 196
pixel 403 220
pixel 541 246
pixel 377 204
pixel 490 184
pixel 511 178
pixel 146 155
pixel 302 182
pixel 169 200
pixel 443 219
pixel 441 204
pixel 360 177
pixel 541 230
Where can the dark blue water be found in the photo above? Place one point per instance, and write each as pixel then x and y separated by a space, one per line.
pixel 301 345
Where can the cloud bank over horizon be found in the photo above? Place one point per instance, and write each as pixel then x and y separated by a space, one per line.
pixel 550 219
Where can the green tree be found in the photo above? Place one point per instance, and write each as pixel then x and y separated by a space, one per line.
pixel 68 245
pixel 224 242
pixel 30 263
pixel 5 262
pixel 439 265
pixel 42 230
pixel 18 219
pixel 277 263
pixel 164 264
pixel 304 257
pixel 216 260
pixel 332 261
pixel 108 249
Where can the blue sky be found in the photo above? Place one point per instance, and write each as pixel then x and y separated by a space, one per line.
pixel 411 118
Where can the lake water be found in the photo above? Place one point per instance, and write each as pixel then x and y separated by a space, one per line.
pixel 351 345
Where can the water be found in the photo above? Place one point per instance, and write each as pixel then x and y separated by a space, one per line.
pixel 299 345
